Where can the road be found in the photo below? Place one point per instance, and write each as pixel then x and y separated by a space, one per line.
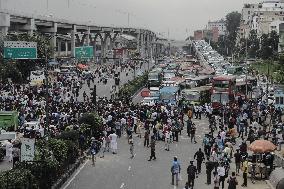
pixel 121 172
pixel 105 90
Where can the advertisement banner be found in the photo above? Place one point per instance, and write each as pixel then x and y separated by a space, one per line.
pixel 27 149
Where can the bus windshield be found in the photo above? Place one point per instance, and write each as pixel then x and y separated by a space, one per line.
pixel 221 84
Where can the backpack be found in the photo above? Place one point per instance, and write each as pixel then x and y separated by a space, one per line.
pixel 233 181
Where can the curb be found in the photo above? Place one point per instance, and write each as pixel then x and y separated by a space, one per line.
pixel 269 184
pixel 61 181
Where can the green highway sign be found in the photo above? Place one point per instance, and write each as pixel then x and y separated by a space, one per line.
pixel 20 50
pixel 84 52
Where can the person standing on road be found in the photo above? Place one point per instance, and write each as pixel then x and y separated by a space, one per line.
pixel 146 138
pixel 175 170
pixel 221 173
pixel 93 150
pixel 192 133
pixel 167 140
pixel 152 145
pixel 209 168
pixel 245 172
pixel 216 180
pixel 238 158
pixel 113 142
pixel 232 181
pixel 103 147
pixel 191 173
pixel 199 155
pixel 131 143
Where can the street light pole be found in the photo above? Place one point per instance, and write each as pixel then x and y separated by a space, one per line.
pixel 246 68
pixel 47 92
pixel 267 80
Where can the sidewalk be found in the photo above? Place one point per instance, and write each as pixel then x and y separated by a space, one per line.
pixel 259 184
pixel 5 165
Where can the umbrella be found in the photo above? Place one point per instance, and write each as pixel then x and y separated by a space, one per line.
pixel 262 146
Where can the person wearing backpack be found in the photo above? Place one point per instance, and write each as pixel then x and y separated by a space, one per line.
pixel 232 181
pixel 175 170
pixel 191 172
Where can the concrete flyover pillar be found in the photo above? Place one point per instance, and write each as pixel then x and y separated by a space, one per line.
pixel 73 32
pixel 53 40
pixel 66 48
pixel 88 33
pixel 4 23
pixel 30 26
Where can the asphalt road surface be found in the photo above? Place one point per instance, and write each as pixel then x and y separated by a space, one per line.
pixel 104 90
pixel 119 171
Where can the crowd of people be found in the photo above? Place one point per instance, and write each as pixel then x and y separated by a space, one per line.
pixel 242 122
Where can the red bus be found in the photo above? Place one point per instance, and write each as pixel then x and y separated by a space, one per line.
pixel 223 90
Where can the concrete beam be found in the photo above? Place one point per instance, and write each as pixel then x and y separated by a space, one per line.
pixel 18 20
pixel 105 29
pixel 30 26
pixel 52 29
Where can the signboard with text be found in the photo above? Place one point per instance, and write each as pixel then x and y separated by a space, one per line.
pixel 20 50
pixel 85 52
pixel 27 149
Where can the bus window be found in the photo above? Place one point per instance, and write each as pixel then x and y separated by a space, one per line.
pixel 281 100
pixel 277 100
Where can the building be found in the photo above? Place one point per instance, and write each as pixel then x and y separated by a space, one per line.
pixel 260 16
pixel 198 35
pixel 219 24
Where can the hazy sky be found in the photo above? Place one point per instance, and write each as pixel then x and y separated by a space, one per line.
pixel 175 16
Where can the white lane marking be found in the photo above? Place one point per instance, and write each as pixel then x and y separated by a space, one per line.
pixel 176 145
pixel 122 185
pixel 175 187
pixel 71 180
pixel 129 168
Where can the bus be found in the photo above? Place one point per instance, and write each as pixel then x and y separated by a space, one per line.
pixel 235 70
pixel 222 90
pixel 169 95
pixel 242 88
pixel 155 78
pixel 197 95
pixel 201 80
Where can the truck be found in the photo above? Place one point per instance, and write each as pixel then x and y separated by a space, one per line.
pixel 9 120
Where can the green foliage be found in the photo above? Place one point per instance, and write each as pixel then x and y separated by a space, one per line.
pixel 129 89
pixel 69 135
pixel 2 153
pixel 91 124
pixel 19 70
pixel 59 149
pixel 72 151
pixel 232 23
pixel 18 178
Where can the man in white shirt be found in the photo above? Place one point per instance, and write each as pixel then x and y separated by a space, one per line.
pixel 113 143
pixel 167 140
pixel 221 173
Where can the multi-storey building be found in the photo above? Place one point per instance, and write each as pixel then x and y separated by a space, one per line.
pixel 260 16
pixel 219 24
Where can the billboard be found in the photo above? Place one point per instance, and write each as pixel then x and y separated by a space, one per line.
pixel 20 50
pixel 84 52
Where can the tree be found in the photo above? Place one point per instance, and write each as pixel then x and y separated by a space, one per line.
pixel 253 44
pixel 92 122
pixel 20 69
pixel 232 24
pixel 265 51
pixel 274 40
